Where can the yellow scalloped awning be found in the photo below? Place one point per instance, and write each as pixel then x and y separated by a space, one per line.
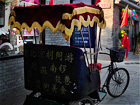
pixel 57 17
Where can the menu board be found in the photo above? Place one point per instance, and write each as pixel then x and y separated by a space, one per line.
pixel 76 39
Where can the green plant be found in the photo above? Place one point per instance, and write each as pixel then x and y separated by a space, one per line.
pixel 120 35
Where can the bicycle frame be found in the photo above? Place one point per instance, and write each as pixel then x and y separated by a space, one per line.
pixel 111 71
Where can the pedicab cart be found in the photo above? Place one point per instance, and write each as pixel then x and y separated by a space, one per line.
pixel 61 75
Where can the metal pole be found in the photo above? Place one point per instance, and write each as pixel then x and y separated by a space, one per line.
pixel 35 35
pixel 90 47
pixel 21 33
pixel 84 47
pixel 98 43
pixel 43 37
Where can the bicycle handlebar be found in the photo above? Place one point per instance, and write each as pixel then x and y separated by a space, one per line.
pixel 104 53
pixel 107 48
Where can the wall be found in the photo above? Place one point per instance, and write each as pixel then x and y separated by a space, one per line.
pixel 12 90
pixel 106 35
pixel 7 12
pixel 107 32
pixel 116 26
pixel 84 1
pixel 56 39
pixel 138 19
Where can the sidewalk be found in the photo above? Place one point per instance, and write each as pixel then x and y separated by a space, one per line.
pixel 132 57
pixel 132 94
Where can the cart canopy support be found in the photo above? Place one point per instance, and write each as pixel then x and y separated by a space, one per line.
pixel 57 17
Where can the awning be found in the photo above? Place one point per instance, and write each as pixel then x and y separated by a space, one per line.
pixel 57 17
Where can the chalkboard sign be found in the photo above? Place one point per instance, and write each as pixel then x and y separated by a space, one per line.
pixel 57 71
pixel 76 39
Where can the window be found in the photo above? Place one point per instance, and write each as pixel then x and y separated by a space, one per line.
pixel 2 14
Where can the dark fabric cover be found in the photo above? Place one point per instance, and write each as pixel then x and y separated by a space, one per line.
pixel 57 17
pixel 58 72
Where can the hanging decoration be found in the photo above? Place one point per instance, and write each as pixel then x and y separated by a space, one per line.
pixel 51 2
pixel 124 18
pixel 32 1
pixel 124 40
pixel 131 13
pixel 127 14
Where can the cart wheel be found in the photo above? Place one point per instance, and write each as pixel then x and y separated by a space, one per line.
pixel 85 101
pixel 118 82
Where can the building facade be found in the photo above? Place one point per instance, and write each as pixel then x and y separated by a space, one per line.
pixel 112 10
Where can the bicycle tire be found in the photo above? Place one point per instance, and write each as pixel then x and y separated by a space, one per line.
pixel 121 81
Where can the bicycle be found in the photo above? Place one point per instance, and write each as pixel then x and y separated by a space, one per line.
pixel 116 82
pixel 117 79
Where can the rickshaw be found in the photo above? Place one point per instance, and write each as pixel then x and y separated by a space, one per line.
pixel 62 75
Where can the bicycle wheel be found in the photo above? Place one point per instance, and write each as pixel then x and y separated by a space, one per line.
pixel 118 82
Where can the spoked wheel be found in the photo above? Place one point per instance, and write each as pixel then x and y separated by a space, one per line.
pixel 85 101
pixel 118 82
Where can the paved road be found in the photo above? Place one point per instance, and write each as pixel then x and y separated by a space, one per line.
pixel 132 94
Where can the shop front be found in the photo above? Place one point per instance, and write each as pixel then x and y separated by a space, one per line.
pixel 132 26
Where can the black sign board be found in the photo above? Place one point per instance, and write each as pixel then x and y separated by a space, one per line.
pixel 57 71
pixel 76 39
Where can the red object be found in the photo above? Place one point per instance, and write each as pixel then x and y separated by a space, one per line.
pixel 97 1
pixel 127 45
pixel 20 38
pixel 125 42
pixel 36 2
pixel 125 18
pixel 56 17
pixel 123 39
pixel 51 2
pixel 27 0
pixel 98 66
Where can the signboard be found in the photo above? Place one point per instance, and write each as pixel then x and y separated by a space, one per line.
pixel 76 39
pixel 32 1
pixel 34 31
pixel 105 5
pixel 57 71
pixel 48 68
